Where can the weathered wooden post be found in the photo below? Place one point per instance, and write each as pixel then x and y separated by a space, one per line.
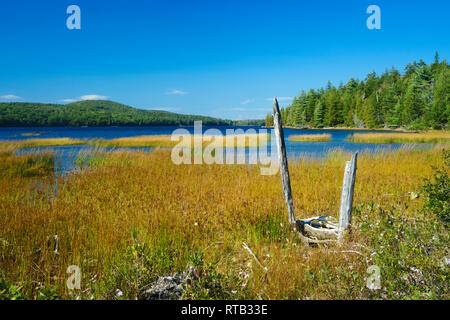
pixel 307 231
pixel 348 188
pixel 282 159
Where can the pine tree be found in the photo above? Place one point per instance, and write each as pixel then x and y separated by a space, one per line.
pixel 413 108
pixel 418 98
pixel 310 105
pixel 269 120
pixel 319 114
pixel 440 109
pixel 370 111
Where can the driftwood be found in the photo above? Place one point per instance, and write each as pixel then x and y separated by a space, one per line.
pixel 282 159
pixel 348 188
pixel 246 247
pixel 317 229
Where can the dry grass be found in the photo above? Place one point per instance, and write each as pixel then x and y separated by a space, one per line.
pixel 139 215
pixel 311 137
pixel 239 141
pixel 427 137
pixel 33 143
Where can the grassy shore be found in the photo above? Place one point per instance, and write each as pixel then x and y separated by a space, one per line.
pixel 426 137
pixel 137 215
pixel 240 141
pixel 237 141
pixel 311 137
pixel 346 128
pixel 44 142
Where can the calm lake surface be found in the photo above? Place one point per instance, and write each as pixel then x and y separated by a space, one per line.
pixel 66 155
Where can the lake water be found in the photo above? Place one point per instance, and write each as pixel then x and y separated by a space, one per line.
pixel 67 154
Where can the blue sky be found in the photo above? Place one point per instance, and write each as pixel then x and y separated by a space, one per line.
pixel 222 58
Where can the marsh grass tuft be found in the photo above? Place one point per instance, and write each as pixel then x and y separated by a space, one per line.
pixel 43 142
pixel 25 165
pixel 310 137
pixel 137 141
pixel 239 141
pixel 426 137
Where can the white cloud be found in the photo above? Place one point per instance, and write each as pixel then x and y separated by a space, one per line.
pixel 93 97
pixel 280 99
pixel 176 91
pixel 247 101
pixel 10 97
pixel 67 100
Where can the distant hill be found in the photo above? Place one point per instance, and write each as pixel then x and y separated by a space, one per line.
pixel 251 122
pixel 93 113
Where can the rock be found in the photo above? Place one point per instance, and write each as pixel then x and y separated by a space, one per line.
pixel 169 287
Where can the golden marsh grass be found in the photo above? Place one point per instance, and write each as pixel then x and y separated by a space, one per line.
pixel 24 165
pixel 237 141
pixel 138 216
pixel 427 137
pixel 310 137
pixel 43 142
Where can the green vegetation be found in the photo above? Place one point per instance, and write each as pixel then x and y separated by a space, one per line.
pixel 411 252
pixel 252 122
pixel 437 191
pixel 9 292
pixel 418 99
pixel 93 113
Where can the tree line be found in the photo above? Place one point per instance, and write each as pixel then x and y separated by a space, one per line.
pixel 417 99
pixel 93 113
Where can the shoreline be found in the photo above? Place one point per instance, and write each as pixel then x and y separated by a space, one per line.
pixel 349 128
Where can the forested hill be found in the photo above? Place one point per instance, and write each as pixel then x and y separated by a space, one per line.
pixel 418 98
pixel 93 113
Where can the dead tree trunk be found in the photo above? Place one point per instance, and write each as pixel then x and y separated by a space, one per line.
pixel 282 159
pixel 307 232
pixel 348 188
